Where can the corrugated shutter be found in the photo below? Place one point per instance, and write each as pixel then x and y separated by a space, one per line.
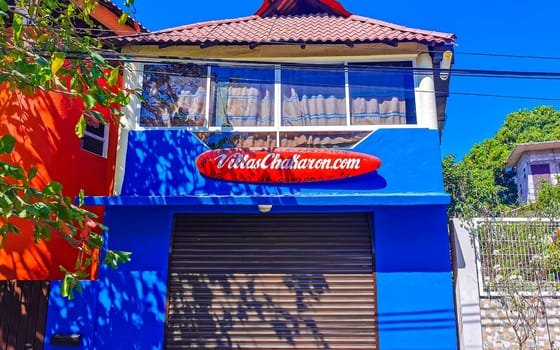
pixel 272 282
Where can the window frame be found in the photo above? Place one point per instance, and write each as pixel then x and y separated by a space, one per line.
pixel 278 128
pixel 104 139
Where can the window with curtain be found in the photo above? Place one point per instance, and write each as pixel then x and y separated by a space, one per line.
pixel 381 93
pixel 313 97
pixel 244 96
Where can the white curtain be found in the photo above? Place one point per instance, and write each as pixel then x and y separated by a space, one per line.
pixel 316 110
pixel 247 106
pixel 378 111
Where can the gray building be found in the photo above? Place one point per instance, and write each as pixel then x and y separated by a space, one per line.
pixel 534 162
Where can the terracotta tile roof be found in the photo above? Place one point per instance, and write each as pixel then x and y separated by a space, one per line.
pixel 114 8
pixel 313 28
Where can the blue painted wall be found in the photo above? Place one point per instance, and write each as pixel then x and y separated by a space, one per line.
pixel 414 282
pixel 162 163
pixel 125 309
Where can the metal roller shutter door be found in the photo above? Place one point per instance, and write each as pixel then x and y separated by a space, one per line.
pixel 271 282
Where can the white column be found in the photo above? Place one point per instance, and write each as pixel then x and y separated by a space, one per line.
pixel 426 110
pixel 132 80
pixel 466 291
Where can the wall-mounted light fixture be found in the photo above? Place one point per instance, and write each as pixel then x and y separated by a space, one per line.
pixel 265 208
pixel 445 64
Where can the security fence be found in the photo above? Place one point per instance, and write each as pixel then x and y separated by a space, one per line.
pixel 518 253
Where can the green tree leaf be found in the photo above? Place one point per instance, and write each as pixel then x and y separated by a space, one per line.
pixel 57 61
pixel 113 77
pixel 80 128
pixel 7 144
pixel 17 26
pixel 48 66
pixel 123 18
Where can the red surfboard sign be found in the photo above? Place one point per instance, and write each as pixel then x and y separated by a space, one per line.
pixel 284 165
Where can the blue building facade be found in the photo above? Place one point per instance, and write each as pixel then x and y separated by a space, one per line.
pixel 355 262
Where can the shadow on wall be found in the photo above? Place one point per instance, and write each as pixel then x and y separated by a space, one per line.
pixel 239 311
pixel 44 128
pixel 234 311
pixel 163 163
pixel 123 310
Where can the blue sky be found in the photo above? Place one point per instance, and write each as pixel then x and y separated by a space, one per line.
pixel 486 32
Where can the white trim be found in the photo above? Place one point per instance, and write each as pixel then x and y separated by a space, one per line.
pixel 277 102
pixel 467 297
pixel 104 139
pixel 347 95
pixel 286 128
pixel 208 95
pixel 425 97
pixel 133 76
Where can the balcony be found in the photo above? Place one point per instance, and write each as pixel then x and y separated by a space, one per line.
pixel 271 105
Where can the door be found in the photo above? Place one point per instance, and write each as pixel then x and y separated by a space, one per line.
pixel 23 314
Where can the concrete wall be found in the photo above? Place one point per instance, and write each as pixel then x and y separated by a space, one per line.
pixel 499 333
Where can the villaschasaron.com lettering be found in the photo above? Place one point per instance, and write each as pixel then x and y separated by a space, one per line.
pixel 276 162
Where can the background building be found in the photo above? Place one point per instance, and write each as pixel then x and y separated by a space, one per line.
pixel 534 162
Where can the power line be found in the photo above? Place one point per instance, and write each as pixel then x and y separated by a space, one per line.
pixel 505 55
pixel 334 67
pixel 387 89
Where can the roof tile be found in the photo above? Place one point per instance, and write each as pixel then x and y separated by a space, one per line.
pixel 314 28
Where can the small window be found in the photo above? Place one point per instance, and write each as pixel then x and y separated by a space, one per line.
pixel 540 173
pixel 174 95
pixel 95 139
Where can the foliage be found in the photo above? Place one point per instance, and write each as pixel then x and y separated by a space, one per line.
pixel 50 212
pixel 523 254
pixel 52 45
pixel 548 200
pixel 479 184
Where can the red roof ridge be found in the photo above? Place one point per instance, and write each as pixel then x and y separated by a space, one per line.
pixel 272 8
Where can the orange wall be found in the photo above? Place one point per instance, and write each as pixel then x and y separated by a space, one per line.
pixel 44 128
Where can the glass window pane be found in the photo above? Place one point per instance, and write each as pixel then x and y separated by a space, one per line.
pixel 174 95
pixel 244 96
pixel 93 145
pixel 381 93
pixel 313 97
pixel 96 128
pixel 217 140
pixel 321 139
